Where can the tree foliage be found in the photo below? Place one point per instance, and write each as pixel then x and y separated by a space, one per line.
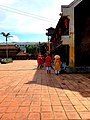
pixel 42 48
pixel 31 49
pixel 34 49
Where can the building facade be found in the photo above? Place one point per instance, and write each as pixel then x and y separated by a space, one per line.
pixel 71 39
pixel 12 51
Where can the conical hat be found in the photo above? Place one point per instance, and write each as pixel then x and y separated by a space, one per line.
pixel 56 56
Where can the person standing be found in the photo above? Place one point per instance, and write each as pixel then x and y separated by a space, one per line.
pixel 57 64
pixel 42 61
pixel 39 61
pixel 48 63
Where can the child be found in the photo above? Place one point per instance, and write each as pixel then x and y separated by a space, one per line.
pixel 48 63
pixel 42 61
pixel 39 61
pixel 57 64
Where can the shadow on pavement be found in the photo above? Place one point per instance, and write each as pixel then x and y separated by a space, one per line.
pixel 70 82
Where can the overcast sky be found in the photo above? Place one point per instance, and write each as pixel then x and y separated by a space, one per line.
pixel 27 20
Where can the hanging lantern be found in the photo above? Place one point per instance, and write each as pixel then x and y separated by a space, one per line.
pixel 54 39
pixel 66 23
pixel 56 35
pixel 59 31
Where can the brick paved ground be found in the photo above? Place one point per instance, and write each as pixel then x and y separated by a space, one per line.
pixel 30 94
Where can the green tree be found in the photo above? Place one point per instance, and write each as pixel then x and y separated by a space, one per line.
pixel 42 47
pixel 31 49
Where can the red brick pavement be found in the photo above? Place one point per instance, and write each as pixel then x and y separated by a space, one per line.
pixel 30 94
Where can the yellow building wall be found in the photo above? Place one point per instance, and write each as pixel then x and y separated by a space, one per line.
pixel 71 57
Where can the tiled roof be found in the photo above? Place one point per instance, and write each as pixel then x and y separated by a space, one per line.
pixel 74 2
pixel 21 53
pixel 8 46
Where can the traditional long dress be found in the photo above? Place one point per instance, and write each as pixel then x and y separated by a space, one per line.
pixel 57 64
pixel 48 61
pixel 39 61
pixel 48 64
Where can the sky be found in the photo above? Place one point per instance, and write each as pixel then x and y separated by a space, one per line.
pixel 27 20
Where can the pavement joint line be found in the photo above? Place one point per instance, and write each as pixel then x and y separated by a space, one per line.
pixel 50 84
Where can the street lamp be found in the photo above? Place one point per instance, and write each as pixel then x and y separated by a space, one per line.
pixel 49 33
pixel 49 37
pixel 6 36
pixel 39 47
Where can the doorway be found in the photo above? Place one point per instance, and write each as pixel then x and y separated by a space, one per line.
pixel 82 33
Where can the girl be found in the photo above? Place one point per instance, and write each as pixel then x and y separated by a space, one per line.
pixel 48 63
pixel 57 64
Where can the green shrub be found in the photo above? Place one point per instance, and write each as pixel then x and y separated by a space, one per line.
pixel 6 60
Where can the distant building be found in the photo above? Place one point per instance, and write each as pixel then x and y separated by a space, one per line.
pixel 22 47
pixel 14 52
